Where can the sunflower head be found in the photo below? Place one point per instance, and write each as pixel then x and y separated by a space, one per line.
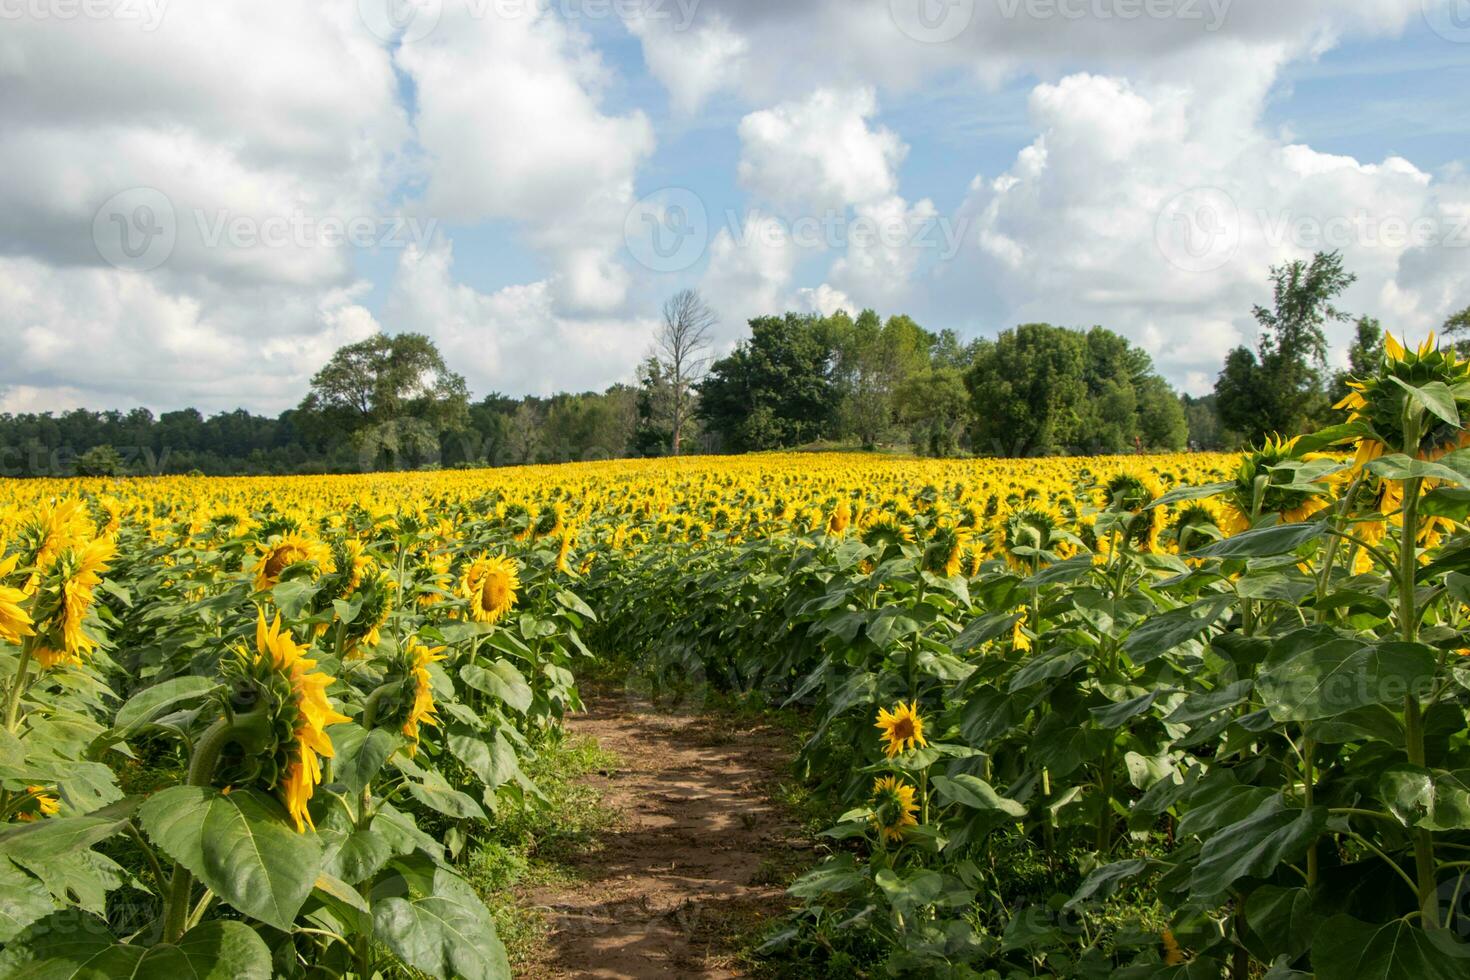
pixel 894 807
pixel 902 728
pixel 1195 525
pixel 277 679
pixel 490 584
pixel 1029 536
pixel 1415 404
pixel 1266 483
pixel 64 598
pixel 944 552
pixel 1129 495
pixel 15 622
pixel 284 553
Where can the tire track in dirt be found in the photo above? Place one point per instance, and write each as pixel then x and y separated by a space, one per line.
pixel 693 861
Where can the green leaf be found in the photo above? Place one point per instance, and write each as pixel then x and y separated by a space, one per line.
pixel 1346 948
pixel 158 699
pixel 1262 541
pixel 1253 847
pixel 23 900
pixel 1279 921
pixel 219 950
pixel 446 933
pixel 1183 493
pixel 1434 396
pixel 1160 634
pixel 840 874
pixel 977 794
pixel 500 679
pixel 1429 798
pixel 983 630
pixel 1105 881
pixel 241 845
pixel 359 754
pixel 1397 466
pixel 1318 673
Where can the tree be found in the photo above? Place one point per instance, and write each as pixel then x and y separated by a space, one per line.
pixel 1457 330
pixel 392 396
pixel 1203 422
pixel 100 461
pixel 775 389
pixel 681 346
pixel 1279 389
pixel 1041 389
pixel 872 359
pixel 935 406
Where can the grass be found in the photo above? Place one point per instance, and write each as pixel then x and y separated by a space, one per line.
pixel 531 842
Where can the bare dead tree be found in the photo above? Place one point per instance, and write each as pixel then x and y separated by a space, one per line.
pixel 682 345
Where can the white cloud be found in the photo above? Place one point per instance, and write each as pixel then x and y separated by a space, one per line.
pixel 510 123
pixel 512 340
pixel 820 153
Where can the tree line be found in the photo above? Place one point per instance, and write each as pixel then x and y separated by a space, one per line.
pixel 391 402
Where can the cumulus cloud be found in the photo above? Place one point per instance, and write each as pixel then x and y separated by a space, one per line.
pixel 511 127
pixel 513 339
pixel 1174 247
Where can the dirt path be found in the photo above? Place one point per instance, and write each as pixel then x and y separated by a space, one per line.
pixel 694 861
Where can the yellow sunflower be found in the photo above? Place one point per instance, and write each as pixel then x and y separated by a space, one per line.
pixel 1386 422
pixel 422 710
pixel 894 808
pixel 490 584
pixel 276 650
pixel 15 622
pixel 902 728
pixel 67 595
pixel 281 553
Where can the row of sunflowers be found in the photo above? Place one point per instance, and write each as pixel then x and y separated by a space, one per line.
pixel 1156 715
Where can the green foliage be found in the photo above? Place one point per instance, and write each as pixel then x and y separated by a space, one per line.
pixel 1279 387
pixel 1040 389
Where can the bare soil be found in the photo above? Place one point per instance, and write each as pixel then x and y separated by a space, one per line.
pixel 694 865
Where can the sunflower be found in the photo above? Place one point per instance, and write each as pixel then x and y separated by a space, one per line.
pixel 422 710
pixel 1386 419
pixel 894 808
pixel 1029 537
pixel 1194 523
pixel 15 622
pixel 490 584
pixel 902 728
pixel 43 804
pixel 281 553
pixel 1131 493
pixel 66 597
pixel 840 518
pixel 943 553
pixel 302 713
pixel 1278 496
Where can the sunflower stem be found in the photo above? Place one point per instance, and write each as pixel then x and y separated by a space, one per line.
pixel 1413 712
pixel 22 669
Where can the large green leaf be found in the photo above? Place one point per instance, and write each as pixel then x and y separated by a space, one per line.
pixel 1279 921
pixel 359 754
pixel 977 794
pixel 241 845
pixel 23 900
pixel 157 699
pixel 447 932
pixel 839 874
pixel 1346 948
pixel 219 950
pixel 500 679
pixel 1262 541
pixel 1253 847
pixel 1318 673
pixel 1428 798
pixel 1160 634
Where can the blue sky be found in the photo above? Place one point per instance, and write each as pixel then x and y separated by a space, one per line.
pixel 1060 160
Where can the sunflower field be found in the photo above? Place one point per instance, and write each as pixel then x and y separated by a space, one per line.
pixel 1186 715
